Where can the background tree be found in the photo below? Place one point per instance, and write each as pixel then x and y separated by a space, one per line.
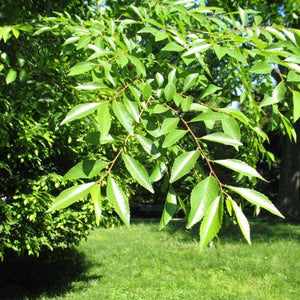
pixel 35 92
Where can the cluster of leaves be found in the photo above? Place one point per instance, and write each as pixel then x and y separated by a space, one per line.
pixel 158 70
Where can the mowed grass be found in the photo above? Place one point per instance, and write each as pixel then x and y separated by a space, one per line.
pixel 143 263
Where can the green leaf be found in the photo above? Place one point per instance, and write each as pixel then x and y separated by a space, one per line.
pixel 169 91
pixel 197 49
pixel 183 164
pixel 276 33
pixel 172 47
pixel 210 116
pixel 257 198
pixel 240 167
pixel 71 195
pixel 173 137
pixel 104 119
pixel 119 200
pixel 296 106
pixel 186 103
pixel 169 124
pixel 83 42
pixel 220 51
pixel 151 127
pixel 148 145
pixel 237 55
pixel 122 59
pixel 293 77
pixel 243 16
pixel 140 68
pixel 123 116
pixel 159 78
pixel 133 108
pixel 11 76
pixel 231 127
pixel 222 138
pixel 189 81
pixel 261 67
pixel 71 40
pixel 147 91
pixel 138 172
pixel 90 86
pixel 211 223
pixel 236 114
pixel 159 109
pixel 242 221
pixel 288 126
pixel 85 169
pixel 170 209
pixel 277 95
pixel 96 198
pixel 209 90
pixel 203 194
pixel 81 68
pixel 158 171
pixel 172 76
pixel 80 111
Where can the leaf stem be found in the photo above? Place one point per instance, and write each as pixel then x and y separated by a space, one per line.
pixel 208 161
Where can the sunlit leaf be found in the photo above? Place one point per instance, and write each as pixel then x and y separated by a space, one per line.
pixel 209 90
pixel 119 200
pixel 96 198
pixel 169 91
pixel 240 167
pixel 104 119
pixel 183 164
pixel 257 198
pixel 173 137
pixel 222 138
pixel 158 171
pixel 210 116
pixel 123 116
pixel 196 49
pixel 11 76
pixel 242 221
pixel 261 67
pixel 203 194
pixel 172 47
pixel 231 127
pixel 71 195
pixel 80 111
pixel 85 169
pixel 138 172
pixel 90 86
pixel 211 223
pixel 277 95
pixel 148 145
pixel 296 106
pixel 170 209
pixel 81 68
pixel 168 125
pixel 189 81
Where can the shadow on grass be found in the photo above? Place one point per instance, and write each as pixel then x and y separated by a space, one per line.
pixel 51 274
pixel 262 230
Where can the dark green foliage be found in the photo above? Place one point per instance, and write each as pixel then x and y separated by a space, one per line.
pixel 34 94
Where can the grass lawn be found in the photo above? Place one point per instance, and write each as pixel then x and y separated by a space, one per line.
pixel 146 264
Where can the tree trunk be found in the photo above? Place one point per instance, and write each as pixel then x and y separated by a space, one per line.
pixel 288 201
